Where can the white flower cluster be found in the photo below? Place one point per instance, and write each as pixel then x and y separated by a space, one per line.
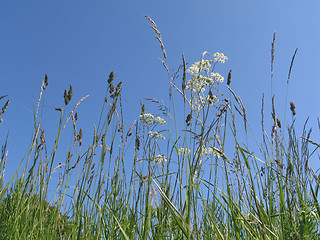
pixel 184 151
pixel 160 158
pixel 202 77
pixel 199 83
pixel 149 119
pixel 155 135
pixel 201 66
pixel 220 57
pixel 217 77
pixel 211 151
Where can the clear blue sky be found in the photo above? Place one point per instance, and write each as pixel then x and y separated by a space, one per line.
pixel 81 42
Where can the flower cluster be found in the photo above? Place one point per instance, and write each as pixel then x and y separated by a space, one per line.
pixel 160 158
pixel 217 77
pixel 155 135
pixel 203 78
pixel 201 66
pixel 220 57
pixel 149 119
pixel 184 151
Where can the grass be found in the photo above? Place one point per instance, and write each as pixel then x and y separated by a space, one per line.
pixel 193 175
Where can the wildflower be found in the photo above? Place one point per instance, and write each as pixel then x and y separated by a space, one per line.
pixel 149 119
pixel 220 57
pixel 217 77
pixel 201 66
pixel 184 151
pixel 160 158
pixel 160 120
pixel 155 135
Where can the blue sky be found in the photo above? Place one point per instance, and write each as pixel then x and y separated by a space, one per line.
pixel 81 42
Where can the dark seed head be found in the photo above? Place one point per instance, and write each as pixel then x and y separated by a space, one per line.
pixel 70 93
pixel 111 77
pixel 66 97
pixel 278 123
pixel 189 118
pixel 80 134
pixel 46 80
pixel 229 77
pixel 111 88
pixel 137 143
pixel 292 108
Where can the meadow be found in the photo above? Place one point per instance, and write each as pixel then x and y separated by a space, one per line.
pixel 192 174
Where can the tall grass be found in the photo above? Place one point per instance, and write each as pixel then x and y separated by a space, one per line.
pixel 189 174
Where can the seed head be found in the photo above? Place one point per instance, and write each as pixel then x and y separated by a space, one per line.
pixel 111 88
pixel 80 134
pixel 70 93
pixel 111 77
pixel 4 107
pixel 46 80
pixel 189 118
pixel 66 97
pixel 292 108
pixel 229 77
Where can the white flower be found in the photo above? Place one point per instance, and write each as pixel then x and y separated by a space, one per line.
pixel 155 135
pixel 220 57
pixel 160 158
pixel 217 77
pixel 184 151
pixel 149 119
pixel 160 121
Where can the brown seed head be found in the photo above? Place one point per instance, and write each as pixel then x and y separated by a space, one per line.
pixel 111 88
pixel 80 134
pixel 46 80
pixel 70 93
pixel 229 77
pixel 4 107
pixel 292 108
pixel 66 97
pixel 43 140
pixel 278 123
pixel 111 77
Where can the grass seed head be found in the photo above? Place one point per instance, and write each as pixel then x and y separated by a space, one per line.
pixel 66 97
pixel 189 117
pixel 292 108
pixel 111 77
pixel 111 88
pixel 70 92
pixel 42 138
pixel 4 107
pixel 80 134
pixel 46 80
pixel 229 77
